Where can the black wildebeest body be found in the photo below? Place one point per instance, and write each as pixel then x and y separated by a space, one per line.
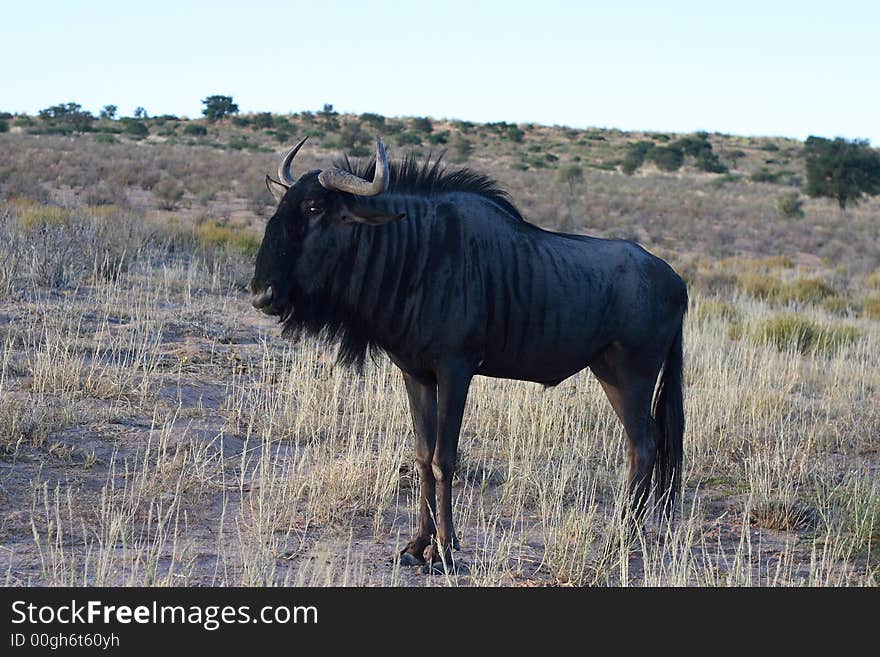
pixel 441 272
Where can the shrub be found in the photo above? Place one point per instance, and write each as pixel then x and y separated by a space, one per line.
pixel 667 158
pixel 571 175
pixel 169 192
pixel 439 137
pixel 353 136
pixel 635 156
pixel 461 148
pixel 195 129
pixel 794 332
pixel 841 305
pixel 409 139
pixel 263 121
pixel 789 205
pixel 765 175
pixel 134 128
pixel 282 123
pixel 422 124
pixel 716 308
pixel 804 290
pixel 213 235
pixel 4 125
pixel 760 286
pixel 105 138
pixel 375 120
pixel 873 280
pixel 871 308
pixel 708 161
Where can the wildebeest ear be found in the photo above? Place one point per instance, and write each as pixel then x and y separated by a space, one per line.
pixel 365 215
pixel 276 189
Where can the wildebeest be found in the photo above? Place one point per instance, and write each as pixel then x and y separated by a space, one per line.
pixel 438 269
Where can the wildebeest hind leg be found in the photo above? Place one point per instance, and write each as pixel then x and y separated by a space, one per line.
pixel 422 394
pixel 630 388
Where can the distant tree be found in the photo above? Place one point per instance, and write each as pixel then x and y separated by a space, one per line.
pixel 135 128
pixel 698 147
pixel 667 158
pixel 109 112
pixel 841 169
pixel 409 138
pixel 140 113
pixel 195 129
pixel 70 116
pixel 422 124
pixel 441 137
pixel 375 120
pixel 635 156
pixel 328 110
pixel 263 121
pixel 218 108
pixel 572 175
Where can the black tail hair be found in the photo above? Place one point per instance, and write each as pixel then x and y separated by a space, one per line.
pixel 669 415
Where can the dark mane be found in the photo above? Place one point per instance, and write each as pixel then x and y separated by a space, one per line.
pixel 432 177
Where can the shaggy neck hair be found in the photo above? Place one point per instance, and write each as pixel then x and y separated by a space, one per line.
pixel 336 312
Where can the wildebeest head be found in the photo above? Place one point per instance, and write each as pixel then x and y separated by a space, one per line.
pixel 316 216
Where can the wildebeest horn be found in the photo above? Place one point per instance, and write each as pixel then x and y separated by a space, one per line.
pixel 343 181
pixel 284 168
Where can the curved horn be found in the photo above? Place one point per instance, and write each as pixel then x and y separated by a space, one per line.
pixel 284 168
pixel 343 181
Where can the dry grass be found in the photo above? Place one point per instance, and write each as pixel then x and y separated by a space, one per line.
pixel 154 430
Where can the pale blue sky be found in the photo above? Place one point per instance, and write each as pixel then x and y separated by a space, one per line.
pixel 745 67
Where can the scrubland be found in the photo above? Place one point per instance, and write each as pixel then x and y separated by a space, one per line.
pixel 156 430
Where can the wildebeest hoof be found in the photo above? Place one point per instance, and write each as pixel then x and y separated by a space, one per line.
pixel 407 559
pixel 456 567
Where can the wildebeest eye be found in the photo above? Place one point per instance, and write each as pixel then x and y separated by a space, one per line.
pixel 312 208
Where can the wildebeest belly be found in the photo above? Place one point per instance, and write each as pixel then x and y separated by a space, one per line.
pixel 542 351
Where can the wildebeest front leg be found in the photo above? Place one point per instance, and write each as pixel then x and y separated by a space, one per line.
pixel 452 389
pixel 422 395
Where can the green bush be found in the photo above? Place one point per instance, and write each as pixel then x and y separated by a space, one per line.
pixel 195 129
pixel 789 205
pixel 765 175
pixel 804 290
pixel 802 335
pixel 760 286
pixel 377 121
pixel 841 305
pixel 422 124
pixel 213 235
pixel 263 121
pixel 635 156
pixel 105 138
pixel 871 308
pixel 571 175
pixel 439 137
pixel 409 138
pixel 4 125
pixel 667 158
pixel 134 128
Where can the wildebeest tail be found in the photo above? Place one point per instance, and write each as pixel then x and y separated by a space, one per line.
pixel 669 416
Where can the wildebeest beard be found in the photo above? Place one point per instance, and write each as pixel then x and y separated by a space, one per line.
pixel 332 325
pixel 324 315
